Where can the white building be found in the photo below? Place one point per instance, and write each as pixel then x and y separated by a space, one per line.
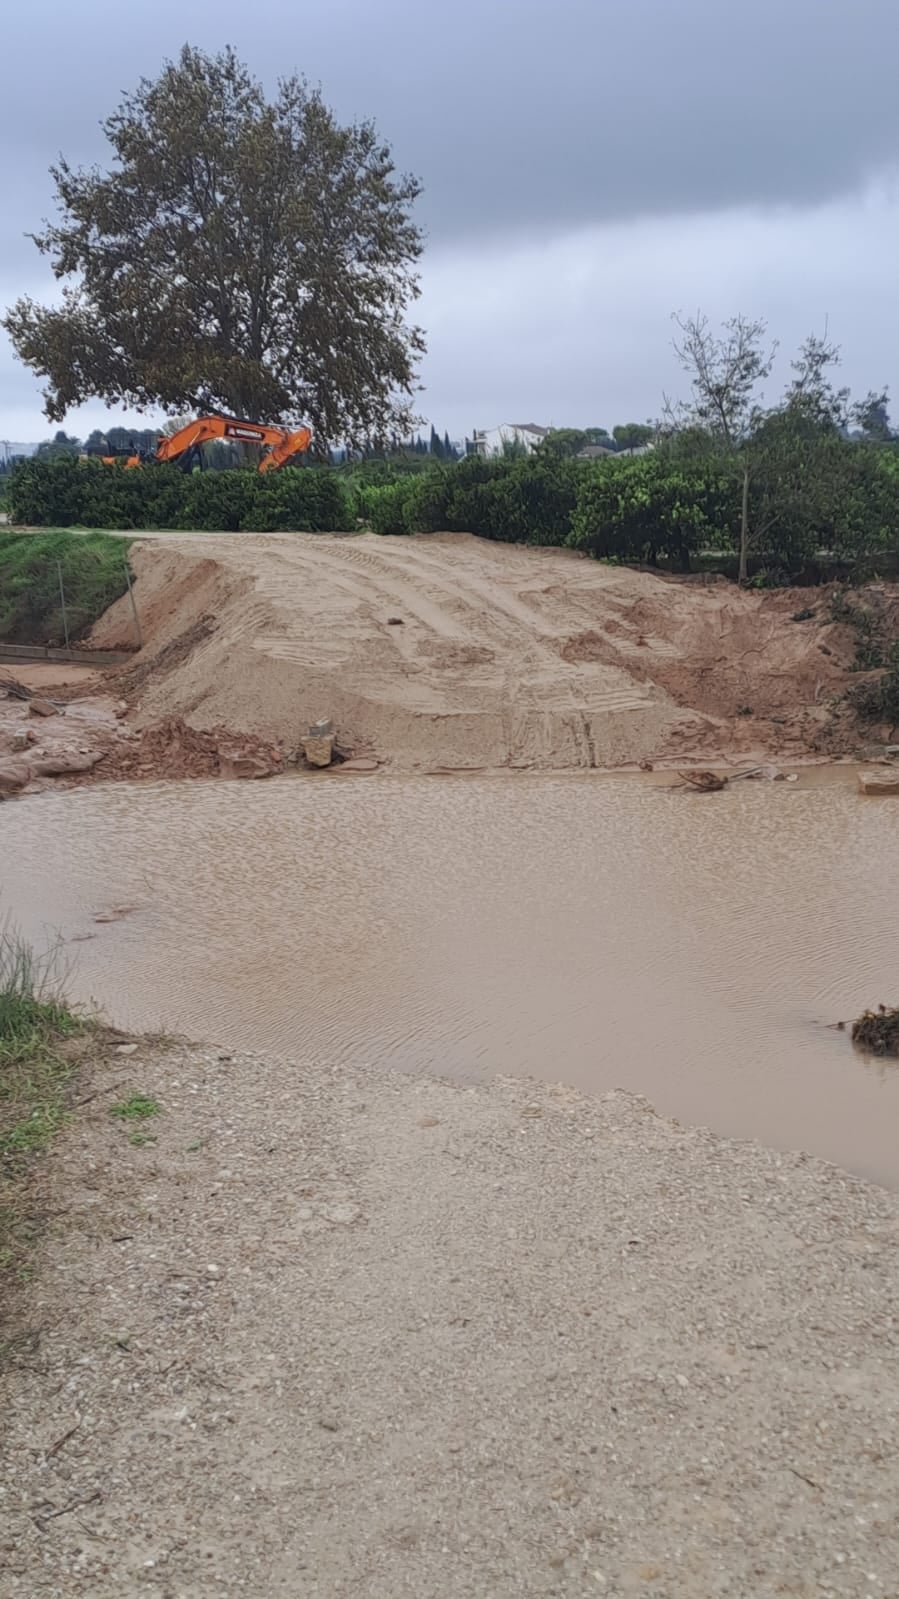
pixel 492 441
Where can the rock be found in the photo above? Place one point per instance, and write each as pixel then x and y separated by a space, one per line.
pixel 126 1049
pixel 360 764
pixel 238 763
pixel 878 783
pixel 64 761
pixel 891 750
pixel 19 740
pixel 40 707
pixel 13 777
pixel 768 774
pixel 703 782
pixel 318 749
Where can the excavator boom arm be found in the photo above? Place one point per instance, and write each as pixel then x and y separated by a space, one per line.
pixel 281 443
pixel 231 428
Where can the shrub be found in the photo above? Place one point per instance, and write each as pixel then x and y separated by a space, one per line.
pixel 383 506
pixel 649 506
pixel 520 501
pixel 67 492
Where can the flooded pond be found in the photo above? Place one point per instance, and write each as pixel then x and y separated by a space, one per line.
pixel 605 933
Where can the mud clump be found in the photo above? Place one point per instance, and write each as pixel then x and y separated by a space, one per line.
pixel 877 1031
pixel 171 749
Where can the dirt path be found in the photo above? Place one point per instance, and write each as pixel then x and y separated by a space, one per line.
pixel 452 651
pixel 331 1336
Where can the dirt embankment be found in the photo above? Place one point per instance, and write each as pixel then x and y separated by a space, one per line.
pixel 448 652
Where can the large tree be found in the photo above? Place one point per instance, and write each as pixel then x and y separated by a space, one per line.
pixel 632 435
pixel 240 254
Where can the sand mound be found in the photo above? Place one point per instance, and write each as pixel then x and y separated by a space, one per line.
pixel 448 651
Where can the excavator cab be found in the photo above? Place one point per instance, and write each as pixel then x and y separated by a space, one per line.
pixel 111 455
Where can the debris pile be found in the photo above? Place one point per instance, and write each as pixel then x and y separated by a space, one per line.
pixel 877 1031
pixel 171 749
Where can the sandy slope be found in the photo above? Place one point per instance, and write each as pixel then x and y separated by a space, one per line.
pixel 451 651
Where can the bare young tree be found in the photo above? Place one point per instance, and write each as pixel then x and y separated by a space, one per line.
pixel 812 393
pixel 725 371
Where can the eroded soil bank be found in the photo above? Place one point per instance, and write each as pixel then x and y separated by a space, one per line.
pixel 450 653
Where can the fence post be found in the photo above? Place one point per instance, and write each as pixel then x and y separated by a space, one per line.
pixel 140 638
pixel 62 597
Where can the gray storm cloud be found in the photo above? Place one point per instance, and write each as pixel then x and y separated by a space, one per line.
pixel 527 123
pixel 516 114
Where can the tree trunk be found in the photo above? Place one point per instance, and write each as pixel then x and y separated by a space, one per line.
pixel 744 528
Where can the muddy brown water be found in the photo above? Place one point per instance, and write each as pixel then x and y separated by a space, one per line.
pixel 604 933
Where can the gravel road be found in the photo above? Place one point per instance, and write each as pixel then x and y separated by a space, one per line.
pixel 334 1334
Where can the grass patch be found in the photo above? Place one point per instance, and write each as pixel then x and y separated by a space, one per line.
pixel 34 1021
pixel 35 1026
pixel 136 1109
pixel 93 576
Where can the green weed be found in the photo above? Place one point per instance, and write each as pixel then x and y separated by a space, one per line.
pixel 138 1108
pixel 35 1024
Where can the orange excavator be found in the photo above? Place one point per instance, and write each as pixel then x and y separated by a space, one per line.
pixel 280 444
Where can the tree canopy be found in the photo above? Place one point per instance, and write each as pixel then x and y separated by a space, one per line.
pixel 802 482
pixel 239 254
pixel 631 435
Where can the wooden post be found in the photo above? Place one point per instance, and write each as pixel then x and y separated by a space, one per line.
pixel 62 597
pixel 140 637
pixel 744 529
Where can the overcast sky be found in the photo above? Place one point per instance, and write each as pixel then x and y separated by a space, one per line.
pixel 589 167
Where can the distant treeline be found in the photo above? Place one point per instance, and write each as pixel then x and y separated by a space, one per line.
pixel 818 492
pixel 218 455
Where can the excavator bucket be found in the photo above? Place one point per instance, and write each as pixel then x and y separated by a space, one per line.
pixel 295 443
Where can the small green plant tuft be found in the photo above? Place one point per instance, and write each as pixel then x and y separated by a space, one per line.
pixel 136 1109
pixel 877 700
